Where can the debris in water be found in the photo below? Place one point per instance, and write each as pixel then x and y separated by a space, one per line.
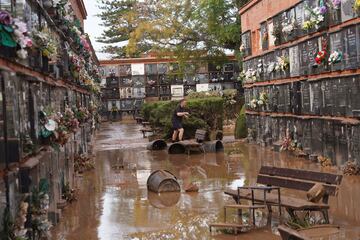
pixel 351 168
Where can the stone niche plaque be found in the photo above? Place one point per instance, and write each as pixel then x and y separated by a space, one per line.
pixel 270 30
pixel 315 97
pixel 303 58
pixel 264 36
pixel 162 68
pixel 328 101
pixel 336 44
pixel 138 81
pixel 278 73
pixel 334 15
pixel 294 60
pixel 125 70
pixel 246 41
pixel 305 97
pixel 313 48
pixel 300 16
pixel 295 94
pixel 286 73
pixel 355 143
pixel 317 137
pixel 340 93
pixel 350 47
pixel 277 32
pixel 341 143
pixel 329 140
pixel 282 99
pixel 287 98
pixel 306 136
pixel 354 96
pixel 271 66
pixel 347 10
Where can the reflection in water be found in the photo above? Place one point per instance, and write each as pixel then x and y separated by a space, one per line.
pixel 163 200
pixel 114 202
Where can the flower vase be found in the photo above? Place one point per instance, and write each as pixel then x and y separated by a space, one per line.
pixel 35 59
pixel 45 64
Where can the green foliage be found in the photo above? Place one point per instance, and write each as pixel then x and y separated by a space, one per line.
pixel 205 113
pixel 240 127
pixel 232 100
pixel 187 28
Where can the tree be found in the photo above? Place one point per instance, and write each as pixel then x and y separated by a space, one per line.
pixel 185 28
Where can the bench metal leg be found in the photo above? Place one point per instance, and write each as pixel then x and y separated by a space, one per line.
pixel 325 213
pixel 269 219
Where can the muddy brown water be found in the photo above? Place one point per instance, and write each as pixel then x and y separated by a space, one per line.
pixel 113 201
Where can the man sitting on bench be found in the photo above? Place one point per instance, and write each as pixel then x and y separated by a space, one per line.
pixel 177 118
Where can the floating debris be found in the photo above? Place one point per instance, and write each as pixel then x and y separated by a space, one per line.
pixel 324 161
pixel 351 168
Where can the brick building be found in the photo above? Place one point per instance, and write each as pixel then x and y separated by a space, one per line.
pixel 301 76
pixel 130 82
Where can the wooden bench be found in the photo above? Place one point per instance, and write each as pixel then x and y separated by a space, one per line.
pixel 139 120
pixel 292 179
pixel 201 136
pixel 145 124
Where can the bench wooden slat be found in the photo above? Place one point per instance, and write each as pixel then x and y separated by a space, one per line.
pixel 272 199
pixel 328 178
pixel 200 135
pixel 293 183
pixel 238 206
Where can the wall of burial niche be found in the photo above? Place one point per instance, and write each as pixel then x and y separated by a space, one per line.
pixel 25 97
pixel 290 92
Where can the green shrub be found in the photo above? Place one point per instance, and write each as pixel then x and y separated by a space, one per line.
pixel 205 113
pixel 240 127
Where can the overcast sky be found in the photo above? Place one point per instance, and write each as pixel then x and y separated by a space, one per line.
pixel 93 28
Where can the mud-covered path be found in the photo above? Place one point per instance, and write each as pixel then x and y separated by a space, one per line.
pixel 113 202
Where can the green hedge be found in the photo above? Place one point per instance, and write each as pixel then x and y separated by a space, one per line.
pixel 205 113
pixel 240 127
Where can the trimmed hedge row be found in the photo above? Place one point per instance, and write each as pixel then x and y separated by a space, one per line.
pixel 205 113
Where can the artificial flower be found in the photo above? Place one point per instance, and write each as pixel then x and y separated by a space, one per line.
pixel 336 4
pixel 335 57
pixel 5 18
pixel 320 57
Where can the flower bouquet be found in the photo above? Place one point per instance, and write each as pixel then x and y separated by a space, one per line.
pixel 357 6
pixel 336 4
pixel 335 57
pixel 47 44
pixel 283 63
pixel 14 35
pixel 316 18
pixel 82 114
pixel 320 57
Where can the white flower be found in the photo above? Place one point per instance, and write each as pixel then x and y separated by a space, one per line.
pixel 22 54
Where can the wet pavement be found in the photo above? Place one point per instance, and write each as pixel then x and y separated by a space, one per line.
pixel 113 201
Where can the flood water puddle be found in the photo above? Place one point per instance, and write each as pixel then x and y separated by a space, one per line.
pixel 113 201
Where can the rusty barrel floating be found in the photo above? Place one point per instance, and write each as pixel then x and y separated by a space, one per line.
pixel 163 200
pixel 177 148
pixel 157 145
pixel 213 146
pixel 162 181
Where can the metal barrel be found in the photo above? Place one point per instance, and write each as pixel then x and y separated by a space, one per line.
pixel 177 148
pixel 213 146
pixel 163 200
pixel 157 145
pixel 162 181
